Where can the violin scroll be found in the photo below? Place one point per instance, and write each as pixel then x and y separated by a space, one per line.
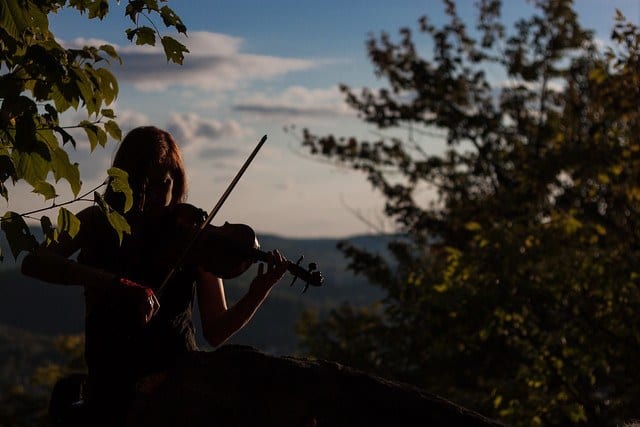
pixel 314 277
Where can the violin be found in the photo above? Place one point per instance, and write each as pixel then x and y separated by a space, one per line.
pixel 226 251
pixel 229 250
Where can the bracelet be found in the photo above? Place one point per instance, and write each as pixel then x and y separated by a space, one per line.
pixel 131 284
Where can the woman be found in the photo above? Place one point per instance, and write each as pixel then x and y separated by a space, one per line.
pixel 130 334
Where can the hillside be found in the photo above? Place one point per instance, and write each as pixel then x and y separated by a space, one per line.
pixel 42 308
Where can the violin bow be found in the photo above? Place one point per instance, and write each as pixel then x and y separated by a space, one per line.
pixel 209 218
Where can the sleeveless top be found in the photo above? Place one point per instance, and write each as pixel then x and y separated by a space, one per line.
pixel 119 352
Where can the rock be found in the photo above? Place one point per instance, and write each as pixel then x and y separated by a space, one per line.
pixel 241 386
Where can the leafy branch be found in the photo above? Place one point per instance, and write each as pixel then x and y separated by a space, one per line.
pixel 81 198
pixel 34 70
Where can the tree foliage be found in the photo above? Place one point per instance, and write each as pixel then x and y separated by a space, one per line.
pixel 40 79
pixel 515 290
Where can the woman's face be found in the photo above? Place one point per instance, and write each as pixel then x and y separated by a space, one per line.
pixel 158 192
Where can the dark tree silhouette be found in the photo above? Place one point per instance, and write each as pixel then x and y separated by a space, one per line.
pixel 515 289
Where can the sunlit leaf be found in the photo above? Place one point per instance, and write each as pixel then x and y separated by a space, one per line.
pixel 108 113
pixel 16 17
pixel 68 223
pixel 145 35
pixel 110 50
pixel 31 167
pixel 173 49
pixel 108 85
pixel 92 133
pixel 45 189
pixel 113 130
pixel 98 8
pixel 119 182
pixel 64 169
pixel 85 87
pixel 117 221
pixel 170 18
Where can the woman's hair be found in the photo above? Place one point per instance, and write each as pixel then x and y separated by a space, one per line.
pixel 146 151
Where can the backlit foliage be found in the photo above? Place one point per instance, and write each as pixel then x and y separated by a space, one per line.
pixel 39 80
pixel 516 290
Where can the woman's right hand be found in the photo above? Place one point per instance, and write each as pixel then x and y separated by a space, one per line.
pixel 144 301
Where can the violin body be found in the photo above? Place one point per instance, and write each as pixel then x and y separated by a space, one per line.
pixel 226 251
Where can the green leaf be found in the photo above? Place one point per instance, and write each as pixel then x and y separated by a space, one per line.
pixel 68 223
pixel 134 7
pixel 108 85
pixel 108 113
pixel 145 35
pixel 60 164
pixel 170 18
pixel 102 137
pixel 152 5
pixel 120 183
pixel 16 17
pixel 119 224
pixel 30 166
pixel 50 233
pixel 45 189
pixel 131 33
pixel 66 136
pixel 174 50
pixel 63 168
pixel 12 18
pixel 92 133
pixel 59 100
pixel 111 51
pixel 98 9
pixel 18 234
pixel 117 221
pixel 85 87
pixel 113 130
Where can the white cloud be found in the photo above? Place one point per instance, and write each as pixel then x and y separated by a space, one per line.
pixel 193 132
pixel 214 62
pixel 129 119
pixel 297 101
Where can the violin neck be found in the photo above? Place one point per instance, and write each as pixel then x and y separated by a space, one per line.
pixel 294 269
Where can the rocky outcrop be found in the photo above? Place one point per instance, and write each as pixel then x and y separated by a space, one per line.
pixel 241 386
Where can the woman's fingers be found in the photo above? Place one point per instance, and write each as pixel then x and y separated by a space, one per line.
pixel 260 269
pixel 156 305
pixel 151 305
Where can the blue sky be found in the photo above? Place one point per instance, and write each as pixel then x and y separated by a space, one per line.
pixel 255 67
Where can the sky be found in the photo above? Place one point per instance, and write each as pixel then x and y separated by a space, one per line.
pixel 254 69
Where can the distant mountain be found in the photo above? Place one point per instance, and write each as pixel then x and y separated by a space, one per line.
pixel 48 309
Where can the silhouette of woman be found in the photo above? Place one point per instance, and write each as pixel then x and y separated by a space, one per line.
pixel 131 336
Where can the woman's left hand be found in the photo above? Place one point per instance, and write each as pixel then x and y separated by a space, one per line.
pixel 265 280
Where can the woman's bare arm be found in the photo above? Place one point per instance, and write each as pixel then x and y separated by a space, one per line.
pixel 52 263
pixel 220 322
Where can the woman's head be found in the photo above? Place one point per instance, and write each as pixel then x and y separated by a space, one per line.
pixel 153 161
